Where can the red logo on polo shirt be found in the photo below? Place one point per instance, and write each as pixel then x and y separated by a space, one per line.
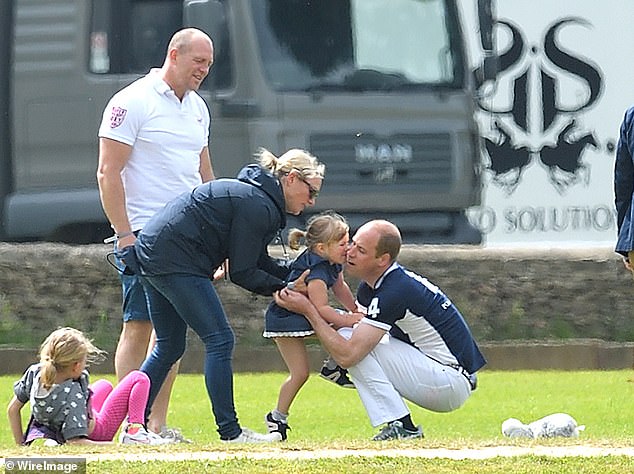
pixel 118 114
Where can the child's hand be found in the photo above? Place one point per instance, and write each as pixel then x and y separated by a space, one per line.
pixel 355 317
pixel 348 319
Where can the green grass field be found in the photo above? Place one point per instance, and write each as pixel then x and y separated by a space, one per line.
pixel 326 418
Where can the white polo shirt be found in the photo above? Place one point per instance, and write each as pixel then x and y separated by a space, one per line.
pixel 166 136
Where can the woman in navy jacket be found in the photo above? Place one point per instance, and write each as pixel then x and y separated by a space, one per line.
pixel 177 252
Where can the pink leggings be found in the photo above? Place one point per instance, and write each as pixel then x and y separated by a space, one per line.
pixel 111 405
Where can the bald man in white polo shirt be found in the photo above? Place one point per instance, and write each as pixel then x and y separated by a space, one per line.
pixel 153 146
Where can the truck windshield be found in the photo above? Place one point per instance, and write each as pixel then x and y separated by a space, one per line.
pixel 357 44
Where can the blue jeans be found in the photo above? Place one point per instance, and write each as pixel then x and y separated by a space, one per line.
pixel 177 301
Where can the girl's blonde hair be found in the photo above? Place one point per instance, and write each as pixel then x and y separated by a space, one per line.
pixel 293 160
pixel 61 349
pixel 323 228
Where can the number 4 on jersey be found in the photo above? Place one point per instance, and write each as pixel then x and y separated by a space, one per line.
pixel 373 309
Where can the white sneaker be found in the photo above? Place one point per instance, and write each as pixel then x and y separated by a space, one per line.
pixel 248 436
pixel 174 435
pixel 142 436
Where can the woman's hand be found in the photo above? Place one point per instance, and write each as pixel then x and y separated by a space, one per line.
pixel 222 271
pixel 299 285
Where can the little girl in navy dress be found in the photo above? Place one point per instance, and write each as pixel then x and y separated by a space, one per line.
pixel 326 240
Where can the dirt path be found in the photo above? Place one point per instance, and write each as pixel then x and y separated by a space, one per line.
pixel 296 454
pixel 457 454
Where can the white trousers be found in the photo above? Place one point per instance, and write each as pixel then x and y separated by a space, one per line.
pixel 394 371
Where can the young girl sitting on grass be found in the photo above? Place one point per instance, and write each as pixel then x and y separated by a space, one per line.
pixel 326 239
pixel 64 408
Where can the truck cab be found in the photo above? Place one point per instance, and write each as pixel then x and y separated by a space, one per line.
pixel 378 90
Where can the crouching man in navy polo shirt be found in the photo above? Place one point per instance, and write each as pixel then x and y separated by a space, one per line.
pixel 413 344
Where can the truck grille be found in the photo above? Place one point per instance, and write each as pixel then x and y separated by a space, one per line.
pixel 416 159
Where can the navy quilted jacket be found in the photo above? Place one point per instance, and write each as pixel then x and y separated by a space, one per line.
pixel 220 219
